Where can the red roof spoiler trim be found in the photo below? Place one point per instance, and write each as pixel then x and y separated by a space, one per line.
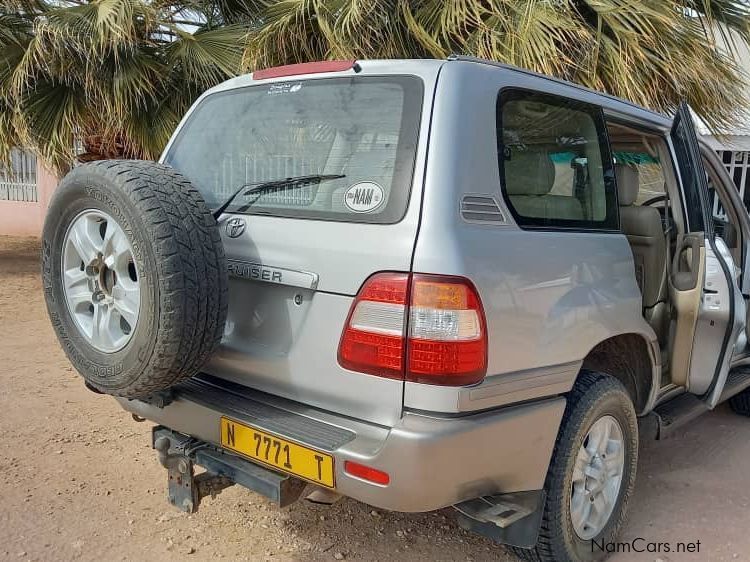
pixel 304 68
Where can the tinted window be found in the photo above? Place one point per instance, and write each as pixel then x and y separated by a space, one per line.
pixel 365 128
pixel 555 166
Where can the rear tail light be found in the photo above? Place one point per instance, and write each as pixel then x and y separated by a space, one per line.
pixel 444 320
pixel 373 339
pixel 447 335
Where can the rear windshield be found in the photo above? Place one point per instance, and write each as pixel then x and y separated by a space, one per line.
pixel 363 128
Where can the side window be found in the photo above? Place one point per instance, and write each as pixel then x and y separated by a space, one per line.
pixel 651 180
pixel 555 165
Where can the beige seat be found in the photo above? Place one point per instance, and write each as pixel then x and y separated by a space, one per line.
pixel 529 177
pixel 643 227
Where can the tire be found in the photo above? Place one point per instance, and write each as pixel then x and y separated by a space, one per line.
pixel 594 397
pixel 147 305
pixel 740 403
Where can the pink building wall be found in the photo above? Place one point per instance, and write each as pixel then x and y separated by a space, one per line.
pixel 21 218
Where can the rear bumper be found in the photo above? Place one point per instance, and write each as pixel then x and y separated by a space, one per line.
pixel 433 462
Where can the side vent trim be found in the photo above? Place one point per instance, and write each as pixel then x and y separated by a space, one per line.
pixel 482 209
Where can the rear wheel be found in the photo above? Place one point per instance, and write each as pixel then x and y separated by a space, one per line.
pixel 592 472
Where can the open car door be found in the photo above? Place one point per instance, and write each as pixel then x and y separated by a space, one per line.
pixel 705 326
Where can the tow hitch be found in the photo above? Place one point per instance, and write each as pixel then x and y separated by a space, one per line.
pixel 179 454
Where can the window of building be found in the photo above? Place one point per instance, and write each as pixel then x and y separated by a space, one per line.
pixel 18 177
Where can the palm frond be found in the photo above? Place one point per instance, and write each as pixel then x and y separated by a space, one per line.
pixel 290 33
pixel 207 56
pixel 53 115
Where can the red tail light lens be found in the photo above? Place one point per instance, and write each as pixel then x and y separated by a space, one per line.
pixel 447 336
pixel 373 339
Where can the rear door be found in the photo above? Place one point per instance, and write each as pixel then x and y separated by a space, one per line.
pixel 298 257
pixel 702 288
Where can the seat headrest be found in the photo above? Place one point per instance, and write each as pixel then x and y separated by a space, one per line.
pixel 529 173
pixel 627 184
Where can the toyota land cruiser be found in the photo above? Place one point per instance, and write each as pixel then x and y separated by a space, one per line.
pixel 416 283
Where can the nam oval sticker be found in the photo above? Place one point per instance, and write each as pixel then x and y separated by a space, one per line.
pixel 364 197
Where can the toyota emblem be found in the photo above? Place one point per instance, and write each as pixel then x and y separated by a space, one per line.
pixel 235 227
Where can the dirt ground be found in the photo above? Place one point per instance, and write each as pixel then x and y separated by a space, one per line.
pixel 79 480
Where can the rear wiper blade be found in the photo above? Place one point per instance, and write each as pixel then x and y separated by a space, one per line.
pixel 294 182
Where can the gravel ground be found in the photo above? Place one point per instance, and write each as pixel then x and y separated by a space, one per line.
pixel 80 481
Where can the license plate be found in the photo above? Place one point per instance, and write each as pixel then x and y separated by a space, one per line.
pixel 277 452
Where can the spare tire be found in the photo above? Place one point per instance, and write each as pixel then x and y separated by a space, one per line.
pixel 134 275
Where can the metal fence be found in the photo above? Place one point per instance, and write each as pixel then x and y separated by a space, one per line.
pixel 18 181
pixel 738 166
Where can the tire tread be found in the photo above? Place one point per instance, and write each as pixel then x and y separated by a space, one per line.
pixel 547 548
pixel 740 403
pixel 192 276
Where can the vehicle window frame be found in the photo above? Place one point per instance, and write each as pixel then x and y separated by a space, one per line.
pixel 611 222
pixel 695 159
pixel 412 114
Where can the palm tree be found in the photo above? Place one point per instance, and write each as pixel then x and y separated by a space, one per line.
pixel 117 74
pixel 653 52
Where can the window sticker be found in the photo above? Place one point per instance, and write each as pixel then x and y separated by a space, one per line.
pixel 364 197
pixel 284 88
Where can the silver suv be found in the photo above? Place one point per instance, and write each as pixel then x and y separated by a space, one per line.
pixel 451 283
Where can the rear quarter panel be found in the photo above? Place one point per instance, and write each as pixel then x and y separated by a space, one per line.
pixel 549 296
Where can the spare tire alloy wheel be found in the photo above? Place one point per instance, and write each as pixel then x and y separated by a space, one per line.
pixel 101 280
pixel 135 277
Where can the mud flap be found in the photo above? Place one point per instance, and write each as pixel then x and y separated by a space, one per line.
pixel 511 519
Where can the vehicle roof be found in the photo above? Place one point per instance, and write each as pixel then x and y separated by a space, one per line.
pixel 607 100
pixel 369 66
pixel 430 66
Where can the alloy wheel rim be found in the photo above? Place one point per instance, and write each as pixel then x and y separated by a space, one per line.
pixel 100 281
pixel 597 477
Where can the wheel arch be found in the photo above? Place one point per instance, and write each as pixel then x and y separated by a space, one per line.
pixel 635 361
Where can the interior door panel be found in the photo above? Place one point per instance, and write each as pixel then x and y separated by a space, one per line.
pixel 685 291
